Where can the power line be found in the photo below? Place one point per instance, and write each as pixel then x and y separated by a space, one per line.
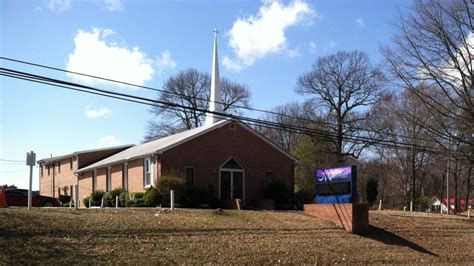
pixel 14 171
pixel 263 123
pixel 296 129
pixel 13 161
pixel 235 106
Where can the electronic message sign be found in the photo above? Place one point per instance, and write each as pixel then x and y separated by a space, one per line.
pixel 336 185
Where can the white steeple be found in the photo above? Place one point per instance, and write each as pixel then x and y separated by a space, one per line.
pixel 215 104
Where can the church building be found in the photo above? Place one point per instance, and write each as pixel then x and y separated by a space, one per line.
pixel 224 154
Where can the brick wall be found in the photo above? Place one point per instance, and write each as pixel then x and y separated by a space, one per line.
pixel 101 179
pixel 116 171
pixel 352 217
pixel 60 175
pixel 208 152
pixel 135 175
pixel 45 181
pixel 64 175
pixel 85 185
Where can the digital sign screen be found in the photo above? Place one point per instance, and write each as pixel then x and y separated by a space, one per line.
pixel 334 189
pixel 336 185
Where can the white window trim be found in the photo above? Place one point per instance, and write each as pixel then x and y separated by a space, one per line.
pixel 231 170
pixel 151 173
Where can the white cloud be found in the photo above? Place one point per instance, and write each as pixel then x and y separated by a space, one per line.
pixel 59 5
pixel 292 53
pixel 97 113
pixel 255 37
pixel 94 55
pixel 107 141
pixel 165 61
pixel 312 45
pixel 331 44
pixel 360 22
pixel 231 64
pixel 113 5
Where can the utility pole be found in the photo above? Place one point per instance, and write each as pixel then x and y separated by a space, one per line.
pixel 31 161
pixel 447 174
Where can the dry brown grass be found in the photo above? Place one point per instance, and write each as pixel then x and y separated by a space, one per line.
pixel 199 236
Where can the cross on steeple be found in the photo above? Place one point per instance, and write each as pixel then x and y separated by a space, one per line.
pixel 215 104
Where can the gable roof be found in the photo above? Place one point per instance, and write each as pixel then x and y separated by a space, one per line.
pixel 60 157
pixel 166 143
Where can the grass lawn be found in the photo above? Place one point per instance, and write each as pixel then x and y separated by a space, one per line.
pixel 199 236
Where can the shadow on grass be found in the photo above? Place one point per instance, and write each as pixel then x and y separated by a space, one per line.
pixel 390 238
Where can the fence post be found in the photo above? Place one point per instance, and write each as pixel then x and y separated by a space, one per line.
pixel 380 205
pixel 172 199
pixel 102 203
pixel 411 206
pixel 469 212
pixel 116 202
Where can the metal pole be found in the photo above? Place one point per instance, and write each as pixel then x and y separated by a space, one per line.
pixel 172 199
pixel 76 196
pixel 30 161
pixel 30 193
pixel 447 175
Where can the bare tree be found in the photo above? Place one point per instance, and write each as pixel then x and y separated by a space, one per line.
pixel 434 46
pixel 290 114
pixel 343 85
pixel 189 92
pixel 402 119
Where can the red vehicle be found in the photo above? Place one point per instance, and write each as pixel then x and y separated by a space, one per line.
pixel 19 197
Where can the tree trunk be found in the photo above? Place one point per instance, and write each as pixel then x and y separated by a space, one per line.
pixel 468 190
pixel 413 176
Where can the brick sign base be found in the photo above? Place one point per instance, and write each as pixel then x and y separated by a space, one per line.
pixel 352 217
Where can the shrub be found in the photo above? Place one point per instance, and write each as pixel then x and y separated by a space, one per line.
pixel 137 195
pixel 168 183
pixel 135 199
pixel 123 199
pixel 116 192
pixel 152 197
pixel 304 197
pixel 423 203
pixel 86 201
pixel 276 191
pixel 372 190
pixel 96 197
pixel 64 199
pixel 199 197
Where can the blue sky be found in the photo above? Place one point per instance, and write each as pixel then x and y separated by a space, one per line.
pixel 263 44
